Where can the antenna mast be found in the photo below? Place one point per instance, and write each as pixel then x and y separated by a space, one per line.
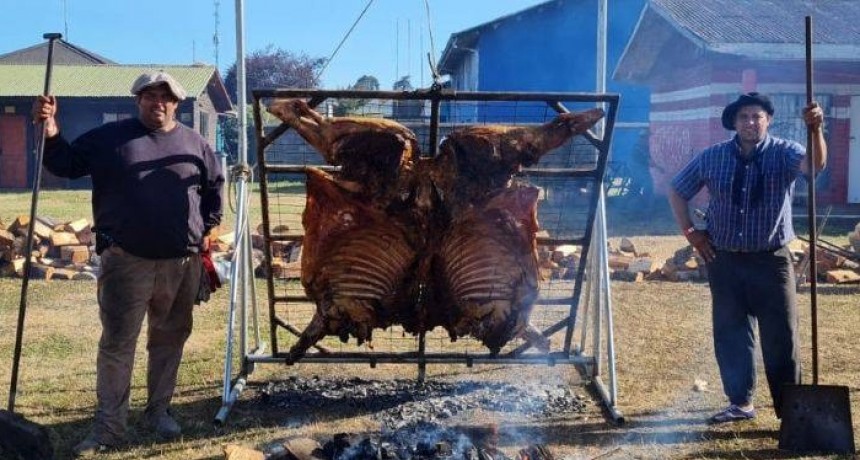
pixel 66 20
pixel 216 40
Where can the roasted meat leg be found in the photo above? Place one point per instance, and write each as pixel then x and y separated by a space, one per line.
pixel 375 153
pixel 477 161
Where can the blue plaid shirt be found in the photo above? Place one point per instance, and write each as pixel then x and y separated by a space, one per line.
pixel 749 225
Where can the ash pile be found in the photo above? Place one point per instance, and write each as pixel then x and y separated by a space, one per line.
pixel 400 403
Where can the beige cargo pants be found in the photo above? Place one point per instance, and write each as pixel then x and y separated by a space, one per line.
pixel 130 287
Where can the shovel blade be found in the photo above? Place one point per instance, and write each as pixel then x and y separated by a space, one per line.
pixel 816 418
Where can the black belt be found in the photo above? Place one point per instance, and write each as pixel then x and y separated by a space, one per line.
pixel 750 251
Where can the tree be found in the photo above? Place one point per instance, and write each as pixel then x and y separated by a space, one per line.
pixel 275 68
pixel 346 107
pixel 404 84
pixel 367 83
pixel 266 68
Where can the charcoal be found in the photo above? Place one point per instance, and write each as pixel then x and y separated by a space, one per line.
pixel 400 403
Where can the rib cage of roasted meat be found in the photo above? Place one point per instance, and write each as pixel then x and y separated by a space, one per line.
pixel 485 270
pixel 422 242
pixel 357 266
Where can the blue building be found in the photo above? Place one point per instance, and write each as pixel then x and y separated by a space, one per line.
pixel 551 47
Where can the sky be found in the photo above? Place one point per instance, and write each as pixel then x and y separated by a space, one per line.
pixel 391 40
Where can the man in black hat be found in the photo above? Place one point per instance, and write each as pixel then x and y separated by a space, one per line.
pixel 750 179
pixel 156 194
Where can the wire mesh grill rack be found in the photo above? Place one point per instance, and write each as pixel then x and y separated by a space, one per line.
pixel 569 178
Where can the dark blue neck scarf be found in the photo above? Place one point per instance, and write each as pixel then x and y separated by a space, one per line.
pixel 753 160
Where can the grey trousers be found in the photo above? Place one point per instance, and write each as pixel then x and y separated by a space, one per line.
pixel 750 288
pixel 130 287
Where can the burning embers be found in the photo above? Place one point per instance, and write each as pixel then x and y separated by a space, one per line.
pixel 424 442
pixel 420 421
pixel 422 242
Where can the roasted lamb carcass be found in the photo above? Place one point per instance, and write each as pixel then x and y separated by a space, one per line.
pixel 374 153
pixel 485 274
pixel 477 161
pixel 358 266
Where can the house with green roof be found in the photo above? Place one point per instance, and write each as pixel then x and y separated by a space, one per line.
pixel 90 91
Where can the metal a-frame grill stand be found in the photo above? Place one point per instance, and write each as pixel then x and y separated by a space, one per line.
pixel 571 212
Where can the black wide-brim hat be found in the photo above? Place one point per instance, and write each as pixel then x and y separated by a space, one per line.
pixel 744 100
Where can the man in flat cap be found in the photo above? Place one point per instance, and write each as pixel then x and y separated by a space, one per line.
pixel 750 179
pixel 156 194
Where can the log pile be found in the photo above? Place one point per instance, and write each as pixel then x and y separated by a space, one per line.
pixel 835 264
pixel 61 250
pixel 838 265
pixel 629 263
pixel 66 250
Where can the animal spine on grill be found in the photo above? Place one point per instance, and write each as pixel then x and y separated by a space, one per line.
pixel 375 154
pixel 358 266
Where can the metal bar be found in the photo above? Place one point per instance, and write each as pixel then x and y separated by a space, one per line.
pixel 28 255
pixel 267 234
pixel 551 359
pixel 560 172
pixel 298 333
pixel 236 269
pixel 810 202
pixel 229 400
pixel 803 266
pixel 590 301
pixel 616 414
pixel 269 138
pixel 290 298
pixel 834 249
pixel 422 363
pixel 434 122
pixel 546 333
pixel 255 314
pixel 274 169
pixel 442 95
pixel 602 274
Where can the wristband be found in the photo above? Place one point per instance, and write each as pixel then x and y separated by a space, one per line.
pixel 689 231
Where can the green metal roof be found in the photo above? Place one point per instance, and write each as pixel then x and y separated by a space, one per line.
pixel 95 80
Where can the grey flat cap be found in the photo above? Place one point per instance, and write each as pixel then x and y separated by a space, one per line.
pixel 150 79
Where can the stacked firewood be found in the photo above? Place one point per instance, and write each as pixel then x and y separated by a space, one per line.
pixel 61 250
pixel 66 250
pixel 627 263
pixel 835 264
pixel 286 254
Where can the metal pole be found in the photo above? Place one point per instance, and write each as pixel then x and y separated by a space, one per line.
pixel 810 206
pixel 28 254
pixel 237 270
pixel 602 24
